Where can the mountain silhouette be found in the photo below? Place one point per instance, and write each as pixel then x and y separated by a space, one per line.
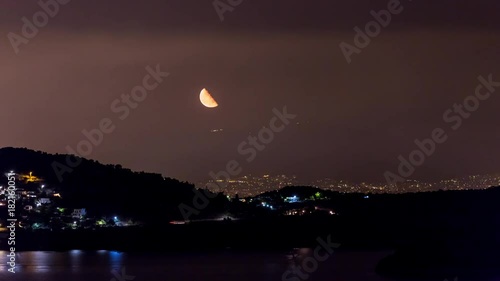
pixel 104 189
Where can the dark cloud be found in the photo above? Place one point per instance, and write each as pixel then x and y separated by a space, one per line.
pixel 256 14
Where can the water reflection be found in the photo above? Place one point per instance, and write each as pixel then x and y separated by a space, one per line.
pixel 74 261
pixel 224 266
pixel 75 257
pixel 116 259
pixel 34 262
pixel 297 255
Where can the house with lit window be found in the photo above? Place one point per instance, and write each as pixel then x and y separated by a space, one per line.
pixel 42 201
pixel 79 213
pixel 292 199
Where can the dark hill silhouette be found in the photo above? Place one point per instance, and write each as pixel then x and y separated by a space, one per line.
pixel 435 234
pixel 106 189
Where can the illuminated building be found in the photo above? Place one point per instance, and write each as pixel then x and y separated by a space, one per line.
pixel 29 178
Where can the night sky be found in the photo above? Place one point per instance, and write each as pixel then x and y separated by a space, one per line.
pixel 354 119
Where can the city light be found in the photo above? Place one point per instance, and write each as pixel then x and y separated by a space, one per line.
pixel 249 186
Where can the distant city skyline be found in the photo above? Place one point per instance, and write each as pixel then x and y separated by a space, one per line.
pixel 253 185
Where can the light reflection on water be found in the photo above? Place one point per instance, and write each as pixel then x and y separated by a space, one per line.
pixel 75 261
pixel 79 265
pixel 116 258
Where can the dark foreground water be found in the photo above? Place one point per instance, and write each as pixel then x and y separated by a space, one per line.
pixel 221 266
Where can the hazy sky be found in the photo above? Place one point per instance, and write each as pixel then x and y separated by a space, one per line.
pixel 355 119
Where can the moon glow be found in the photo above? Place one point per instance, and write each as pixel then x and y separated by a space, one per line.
pixel 207 99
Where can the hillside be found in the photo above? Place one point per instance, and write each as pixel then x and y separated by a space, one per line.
pixel 103 189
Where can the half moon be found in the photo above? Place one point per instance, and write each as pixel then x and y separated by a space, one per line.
pixel 207 99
